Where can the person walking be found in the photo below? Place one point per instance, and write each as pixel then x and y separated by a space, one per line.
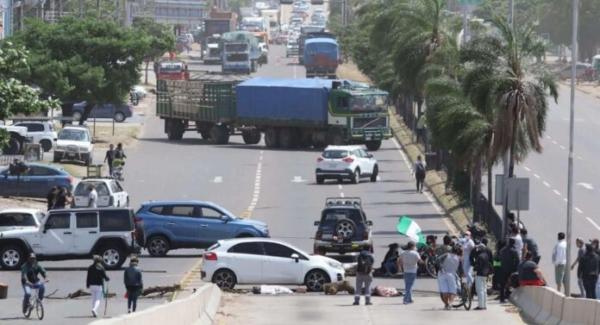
pixel 96 275
pixel 51 197
pixel 92 197
pixel 481 259
pixel 132 278
pixel 467 245
pixel 119 152
pixel 559 259
pixel 509 262
pixel 449 264
pixel 580 253
pixel 530 273
pixel 529 244
pixel 408 261
pixel 363 276
pixel 109 158
pixel 589 271
pixel 62 198
pixel 420 172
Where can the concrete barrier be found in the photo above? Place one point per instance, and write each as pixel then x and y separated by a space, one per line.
pixel 199 308
pixel 579 311
pixel 551 306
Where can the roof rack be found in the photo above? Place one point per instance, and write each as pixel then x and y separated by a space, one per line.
pixel 347 201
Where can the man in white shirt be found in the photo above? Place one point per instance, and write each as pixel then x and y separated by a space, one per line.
pixel 559 259
pixel 467 246
pixel 515 234
pixel 92 197
pixel 409 261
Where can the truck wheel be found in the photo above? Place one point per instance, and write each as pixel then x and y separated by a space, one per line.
pixel 205 135
pixel 175 129
pixel 287 139
pixel 219 134
pixel 112 256
pixel 373 145
pixel 251 136
pixel 11 257
pixel 335 138
pixel 272 138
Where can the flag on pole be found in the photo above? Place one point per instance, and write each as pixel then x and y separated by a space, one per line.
pixel 411 229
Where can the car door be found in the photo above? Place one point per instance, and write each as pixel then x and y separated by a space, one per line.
pixel 104 195
pixel 57 236
pixel 8 183
pixel 39 180
pixel 184 225
pixel 279 266
pixel 212 226
pixel 85 231
pixel 246 261
pixel 119 195
pixel 368 161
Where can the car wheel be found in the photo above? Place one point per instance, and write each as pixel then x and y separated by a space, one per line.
pixel 315 280
pixel 112 256
pixel 356 176
pixel 11 257
pixel 320 180
pixel 119 117
pixel 224 279
pixel 46 145
pixel 158 246
pixel 374 174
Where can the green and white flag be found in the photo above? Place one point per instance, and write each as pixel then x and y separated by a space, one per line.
pixel 411 229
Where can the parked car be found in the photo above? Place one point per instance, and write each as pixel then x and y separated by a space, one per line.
pixel 191 224
pixel 343 227
pixel 110 193
pixel 266 261
pixel 346 162
pixel 11 219
pixel 74 143
pixel 583 71
pixel 36 182
pixel 41 132
pixel 73 234
pixel 118 112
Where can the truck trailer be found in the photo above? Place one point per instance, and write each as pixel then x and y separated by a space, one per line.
pixel 291 113
pixel 321 57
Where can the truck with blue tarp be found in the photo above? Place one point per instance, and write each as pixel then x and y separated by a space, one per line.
pixel 321 57
pixel 291 113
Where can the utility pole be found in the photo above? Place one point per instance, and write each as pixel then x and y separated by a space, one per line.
pixel 574 54
pixel 506 158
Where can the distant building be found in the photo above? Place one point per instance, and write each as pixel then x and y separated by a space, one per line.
pixel 180 12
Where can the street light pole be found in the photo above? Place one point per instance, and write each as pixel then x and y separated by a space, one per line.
pixel 511 12
pixel 574 55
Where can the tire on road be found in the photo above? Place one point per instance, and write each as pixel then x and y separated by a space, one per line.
pixel 315 279
pixel 12 257
pixel 373 145
pixel 287 138
pixel 356 176
pixel 320 179
pixel 219 134
pixel 112 255
pixel 175 129
pixel 251 136
pixel 224 279
pixel 335 137
pixel 375 173
pixel 272 138
pixel 158 246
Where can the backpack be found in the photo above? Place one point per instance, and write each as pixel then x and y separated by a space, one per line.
pixel 365 264
pixel 420 169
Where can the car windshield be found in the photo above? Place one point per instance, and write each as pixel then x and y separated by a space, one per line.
pixel 74 135
pixel 368 103
pixel 335 154
pixel 83 188
pixel 16 219
pixel 333 215
pixel 226 212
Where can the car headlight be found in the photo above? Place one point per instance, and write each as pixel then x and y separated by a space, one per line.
pixel 335 264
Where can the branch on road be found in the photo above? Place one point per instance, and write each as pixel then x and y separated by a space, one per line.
pixel 161 290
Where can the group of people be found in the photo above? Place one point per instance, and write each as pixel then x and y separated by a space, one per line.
pixel 95 281
pixel 114 157
pixel 588 266
pixel 59 198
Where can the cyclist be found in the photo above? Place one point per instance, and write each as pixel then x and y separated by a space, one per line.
pixel 29 279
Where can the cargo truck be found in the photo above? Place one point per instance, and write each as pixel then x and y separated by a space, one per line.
pixel 215 26
pixel 321 57
pixel 290 113
pixel 240 52
pixel 304 32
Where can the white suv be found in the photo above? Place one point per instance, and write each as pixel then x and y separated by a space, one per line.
pixel 346 162
pixel 40 132
pixel 74 143
pixel 110 193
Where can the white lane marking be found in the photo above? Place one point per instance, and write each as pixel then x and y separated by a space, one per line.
pixel 546 184
pixel 342 194
pixel 340 186
pixel 548 137
pixel 378 178
pixel 554 141
pixel 578 210
pixel 256 191
pixel 565 199
pixel 557 192
pixel 526 168
pixel 593 223
pixel 587 186
pixel 298 179
pixel 579 157
pixel 562 147
pixel 536 176
pixel 218 179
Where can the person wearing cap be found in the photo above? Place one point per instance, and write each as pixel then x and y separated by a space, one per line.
pixel 96 275
pixel 467 247
pixel 580 252
pixel 133 283
pixel 30 272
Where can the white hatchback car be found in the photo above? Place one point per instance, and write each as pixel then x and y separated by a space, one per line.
pixel 110 193
pixel 266 261
pixel 346 162
pixel 41 132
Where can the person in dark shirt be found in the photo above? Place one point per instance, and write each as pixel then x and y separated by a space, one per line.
pixel 96 275
pixel 529 244
pixel 51 197
pixel 133 283
pixel 589 271
pixel 530 274
pixel 30 272
pixel 119 152
pixel 509 261
pixel 109 158
pixel 61 199
pixel 389 263
pixel 481 259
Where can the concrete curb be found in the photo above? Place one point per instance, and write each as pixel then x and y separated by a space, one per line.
pixel 199 308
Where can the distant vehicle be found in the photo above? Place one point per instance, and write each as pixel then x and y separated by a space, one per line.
pixel 118 112
pixel 241 52
pixel 11 219
pixel 73 234
pixel 16 142
pixel 343 227
pixel 215 26
pixel 583 71
pixel 321 57
pixel 110 193
pixel 171 69
pixel 265 261
pixel 346 162
pixel 191 224
pixel 291 49
pixel 140 91
pixel 74 143
pixel 41 132
pixel 36 182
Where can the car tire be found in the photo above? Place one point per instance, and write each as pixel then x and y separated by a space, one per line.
pixel 224 279
pixel 119 117
pixel 315 280
pixel 345 226
pixel 375 173
pixel 320 180
pixel 46 145
pixel 158 246
pixel 113 256
pixel 356 176
pixel 11 257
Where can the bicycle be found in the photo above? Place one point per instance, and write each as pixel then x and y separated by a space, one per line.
pixel 465 296
pixel 34 303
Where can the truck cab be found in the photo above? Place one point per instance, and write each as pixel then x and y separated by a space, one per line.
pixel 172 69
pixel 213 52
pixel 236 58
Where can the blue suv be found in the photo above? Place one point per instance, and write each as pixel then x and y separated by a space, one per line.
pixel 191 224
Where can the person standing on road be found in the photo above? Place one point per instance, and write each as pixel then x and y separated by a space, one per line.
pixel 516 235
pixel 96 275
pixel 61 198
pixel 110 158
pixel 559 259
pixel 589 271
pixel 92 197
pixel 481 259
pixel 509 263
pixel 51 197
pixel 363 276
pixel 449 264
pixel 408 261
pixel 119 152
pixel 420 173
pixel 467 247
pixel 580 253
pixel 132 278
pixel 529 244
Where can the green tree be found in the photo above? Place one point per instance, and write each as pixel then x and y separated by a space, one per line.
pixel 89 60
pixel 161 40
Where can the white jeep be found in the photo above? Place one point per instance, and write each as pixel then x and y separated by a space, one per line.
pixel 74 143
